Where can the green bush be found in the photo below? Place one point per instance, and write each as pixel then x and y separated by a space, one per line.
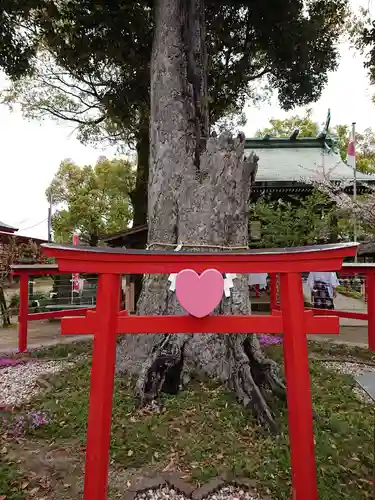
pixel 43 299
pixel 351 293
pixel 14 301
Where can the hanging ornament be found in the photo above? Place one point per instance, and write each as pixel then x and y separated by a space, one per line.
pixel 228 280
pixel 172 277
pixel 228 283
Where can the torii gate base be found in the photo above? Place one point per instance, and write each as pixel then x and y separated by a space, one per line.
pixel 107 322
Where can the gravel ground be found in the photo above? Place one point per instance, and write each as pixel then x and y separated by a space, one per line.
pixel 226 493
pixel 354 370
pixel 18 384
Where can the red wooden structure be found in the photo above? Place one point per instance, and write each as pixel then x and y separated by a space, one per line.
pixel 106 322
pixel 24 271
pixel 347 269
pixel 369 271
pixel 27 271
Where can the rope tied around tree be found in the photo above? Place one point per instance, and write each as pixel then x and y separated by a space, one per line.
pixel 197 245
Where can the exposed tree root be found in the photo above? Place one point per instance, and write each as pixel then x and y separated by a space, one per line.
pixel 248 384
pixel 162 369
pixel 248 372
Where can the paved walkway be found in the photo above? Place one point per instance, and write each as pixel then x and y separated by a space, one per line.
pixel 350 335
pixel 344 303
pixel 40 333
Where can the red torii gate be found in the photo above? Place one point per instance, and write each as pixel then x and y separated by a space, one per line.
pixel 107 322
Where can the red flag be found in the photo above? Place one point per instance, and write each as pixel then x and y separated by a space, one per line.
pixel 351 151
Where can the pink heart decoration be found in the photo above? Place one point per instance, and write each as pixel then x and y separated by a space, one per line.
pixel 199 294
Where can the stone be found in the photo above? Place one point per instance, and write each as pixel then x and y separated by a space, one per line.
pixel 208 488
pixel 147 483
pixel 174 480
pixel 367 383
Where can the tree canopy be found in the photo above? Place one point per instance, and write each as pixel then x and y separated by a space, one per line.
pixel 108 45
pixel 91 200
pixel 284 127
pixel 89 62
pixel 362 31
pixel 308 221
pixel 359 210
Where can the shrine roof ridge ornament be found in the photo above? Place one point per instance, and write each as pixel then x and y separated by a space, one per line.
pixel 287 142
pixel 123 261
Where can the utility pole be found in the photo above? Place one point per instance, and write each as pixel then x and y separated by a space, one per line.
pixel 50 217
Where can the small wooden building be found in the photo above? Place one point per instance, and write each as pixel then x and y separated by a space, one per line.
pixel 135 237
pixel 366 252
pixel 14 247
pixel 4 228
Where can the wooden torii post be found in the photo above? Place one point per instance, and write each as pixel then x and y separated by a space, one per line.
pixel 293 321
pixel 368 270
pixel 24 271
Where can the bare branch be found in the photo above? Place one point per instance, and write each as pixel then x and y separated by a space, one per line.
pixel 259 75
pixel 61 116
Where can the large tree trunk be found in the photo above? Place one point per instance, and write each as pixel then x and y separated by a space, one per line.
pixel 139 195
pixel 199 190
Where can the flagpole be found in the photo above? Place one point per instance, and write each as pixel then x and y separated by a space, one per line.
pixel 354 190
pixel 49 217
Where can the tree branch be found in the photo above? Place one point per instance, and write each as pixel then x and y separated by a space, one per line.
pixel 75 96
pixel 74 85
pixel 259 75
pixel 61 116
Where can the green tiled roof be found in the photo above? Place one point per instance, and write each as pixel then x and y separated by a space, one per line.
pixel 285 160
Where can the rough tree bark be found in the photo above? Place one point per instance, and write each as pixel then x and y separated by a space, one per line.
pixel 139 195
pixel 199 190
pixel 4 311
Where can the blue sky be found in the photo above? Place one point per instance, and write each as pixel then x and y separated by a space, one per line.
pixel 31 151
